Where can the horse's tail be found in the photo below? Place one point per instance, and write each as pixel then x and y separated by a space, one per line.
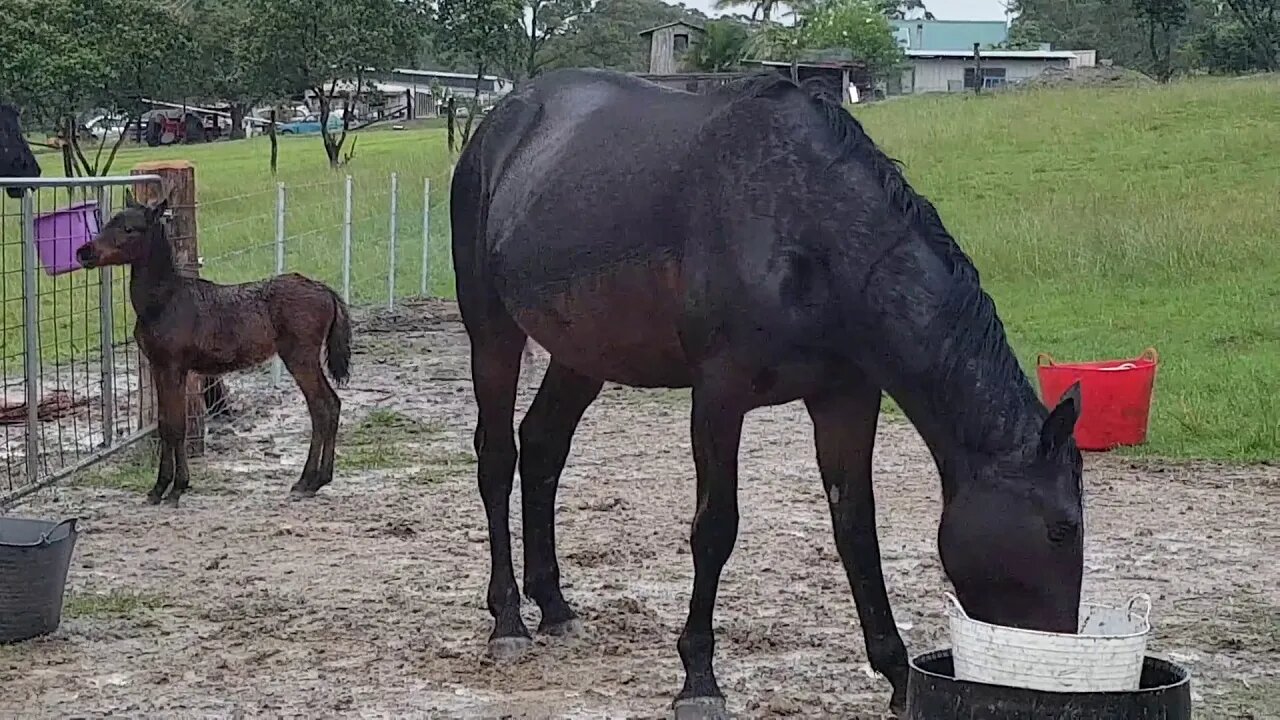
pixel 337 355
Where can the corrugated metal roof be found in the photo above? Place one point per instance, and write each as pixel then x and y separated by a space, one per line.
pixel 995 54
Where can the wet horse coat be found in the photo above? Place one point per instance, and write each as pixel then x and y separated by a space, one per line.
pixel 755 245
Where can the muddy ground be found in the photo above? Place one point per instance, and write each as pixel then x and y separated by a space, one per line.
pixel 369 600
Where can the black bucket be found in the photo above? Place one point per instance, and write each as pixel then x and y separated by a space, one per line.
pixel 34 558
pixel 933 693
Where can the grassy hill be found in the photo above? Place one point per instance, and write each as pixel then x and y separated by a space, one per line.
pixel 1103 222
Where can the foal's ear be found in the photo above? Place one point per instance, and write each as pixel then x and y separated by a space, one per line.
pixel 156 209
pixel 1061 422
pixel 129 200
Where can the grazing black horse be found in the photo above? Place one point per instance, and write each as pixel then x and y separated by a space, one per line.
pixel 756 245
pixel 16 158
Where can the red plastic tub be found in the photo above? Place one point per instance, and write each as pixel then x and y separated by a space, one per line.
pixel 1115 396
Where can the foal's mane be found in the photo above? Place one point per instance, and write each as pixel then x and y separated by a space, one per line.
pixel 967 326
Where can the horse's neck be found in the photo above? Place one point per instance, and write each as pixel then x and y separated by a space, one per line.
pixel 154 281
pixel 946 361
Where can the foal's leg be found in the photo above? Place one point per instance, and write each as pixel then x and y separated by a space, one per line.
pixel 845 432
pixel 304 365
pixel 496 344
pixel 173 430
pixel 545 435
pixel 717 430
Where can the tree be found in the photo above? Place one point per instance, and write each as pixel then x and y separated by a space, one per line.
pixel 547 20
pixel 55 70
pixel 1261 21
pixel 224 55
pixel 326 48
pixel 1163 18
pixel 761 10
pixel 904 9
pixel 608 35
pixel 722 47
pixel 480 34
pixel 858 26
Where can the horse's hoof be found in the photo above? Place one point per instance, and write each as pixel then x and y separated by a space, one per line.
pixel 505 649
pixel 564 628
pixel 301 493
pixel 700 708
pixel 898 705
pixel 172 501
pixel 153 499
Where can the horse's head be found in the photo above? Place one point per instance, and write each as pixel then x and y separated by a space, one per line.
pixel 16 158
pixel 1011 537
pixel 127 236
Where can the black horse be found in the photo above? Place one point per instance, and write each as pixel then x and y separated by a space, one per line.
pixel 16 158
pixel 756 245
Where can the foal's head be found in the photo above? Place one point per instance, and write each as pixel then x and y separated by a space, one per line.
pixel 16 158
pixel 1011 538
pixel 127 237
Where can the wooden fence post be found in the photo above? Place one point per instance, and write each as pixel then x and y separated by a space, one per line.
pixel 180 184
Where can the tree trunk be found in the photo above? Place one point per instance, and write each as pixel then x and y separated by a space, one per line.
pixel 330 146
pixel 475 107
pixel 451 121
pixel 237 121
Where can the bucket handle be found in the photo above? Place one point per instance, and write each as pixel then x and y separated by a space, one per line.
pixel 1142 600
pixel 1044 359
pixel 1150 354
pixel 956 603
pixel 44 536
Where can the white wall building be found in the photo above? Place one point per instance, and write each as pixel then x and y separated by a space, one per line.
pixel 953 70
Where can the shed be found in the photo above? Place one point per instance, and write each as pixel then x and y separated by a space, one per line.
pixel 953 70
pixel 668 44
pixel 837 75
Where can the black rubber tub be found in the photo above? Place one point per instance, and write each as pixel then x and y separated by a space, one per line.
pixel 34 558
pixel 933 693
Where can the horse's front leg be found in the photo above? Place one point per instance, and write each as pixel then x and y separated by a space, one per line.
pixel 717 430
pixel 170 427
pixel 845 432
pixel 173 428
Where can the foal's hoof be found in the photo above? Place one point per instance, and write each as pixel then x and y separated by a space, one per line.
pixel 700 708
pixel 564 628
pixel 505 649
pixel 298 493
pixel 153 499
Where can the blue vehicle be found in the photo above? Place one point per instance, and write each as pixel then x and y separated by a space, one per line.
pixel 308 125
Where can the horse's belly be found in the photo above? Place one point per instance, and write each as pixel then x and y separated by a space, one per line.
pixel 619 325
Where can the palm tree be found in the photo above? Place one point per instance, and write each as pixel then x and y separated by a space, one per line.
pixel 760 9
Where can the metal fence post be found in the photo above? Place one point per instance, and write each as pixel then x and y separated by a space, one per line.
pixel 426 236
pixel 31 335
pixel 391 254
pixel 106 336
pixel 346 245
pixel 276 365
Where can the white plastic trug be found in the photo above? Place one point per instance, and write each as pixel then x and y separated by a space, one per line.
pixel 1105 656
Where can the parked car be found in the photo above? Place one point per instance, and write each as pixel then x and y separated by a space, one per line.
pixel 309 124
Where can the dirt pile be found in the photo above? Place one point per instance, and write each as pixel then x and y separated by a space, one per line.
pixel 1097 76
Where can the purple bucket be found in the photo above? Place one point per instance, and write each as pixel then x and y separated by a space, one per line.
pixel 59 234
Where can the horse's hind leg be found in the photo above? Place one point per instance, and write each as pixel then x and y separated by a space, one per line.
pixel 496 344
pixel 303 363
pixel 844 429
pixel 545 435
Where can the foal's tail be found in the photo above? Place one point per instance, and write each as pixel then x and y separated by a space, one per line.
pixel 337 355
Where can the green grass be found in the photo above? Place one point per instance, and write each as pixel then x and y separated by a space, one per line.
pixel 1107 221
pixel 236 197
pixel 383 440
pixel 1103 222
pixel 133 471
pixel 112 604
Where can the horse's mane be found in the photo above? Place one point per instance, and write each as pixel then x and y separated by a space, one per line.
pixel 967 324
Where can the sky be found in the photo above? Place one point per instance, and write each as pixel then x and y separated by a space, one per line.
pixel 942 9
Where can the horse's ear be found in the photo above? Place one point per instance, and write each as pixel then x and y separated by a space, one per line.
pixel 1061 422
pixel 129 200
pixel 157 208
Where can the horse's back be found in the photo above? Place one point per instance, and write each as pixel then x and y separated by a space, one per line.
pixel 607 201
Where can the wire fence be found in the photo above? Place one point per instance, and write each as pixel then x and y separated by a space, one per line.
pixel 75 387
